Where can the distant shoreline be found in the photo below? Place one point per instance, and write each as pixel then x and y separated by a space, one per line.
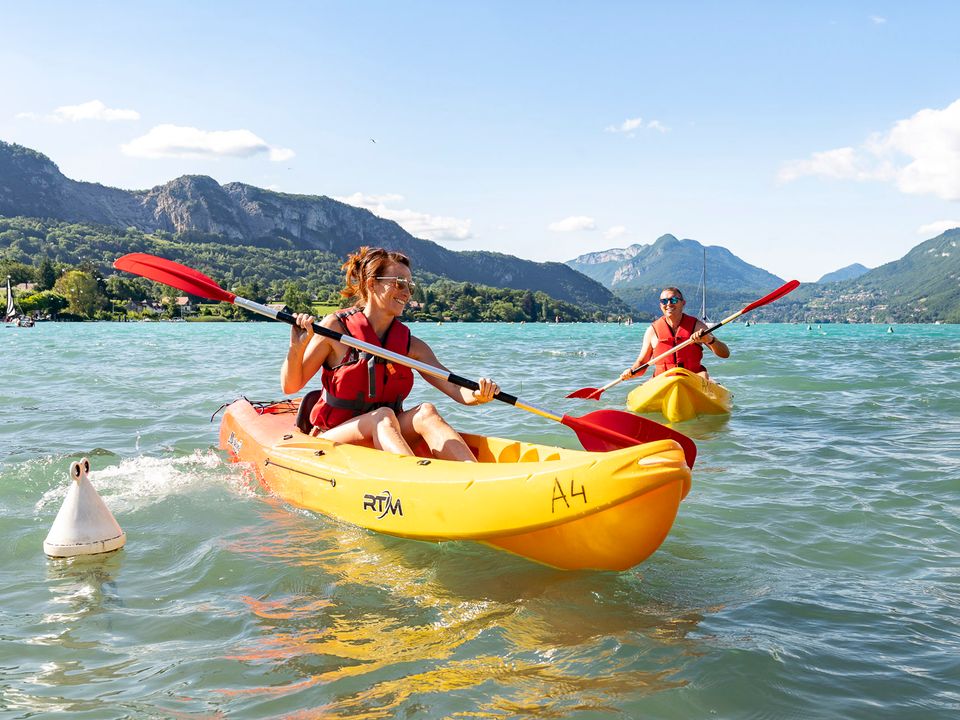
pixel 211 319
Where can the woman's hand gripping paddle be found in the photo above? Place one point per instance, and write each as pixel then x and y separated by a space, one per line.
pixel 589 393
pixel 598 431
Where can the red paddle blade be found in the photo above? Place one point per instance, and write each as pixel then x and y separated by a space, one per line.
pixel 605 430
pixel 778 293
pixel 173 274
pixel 586 394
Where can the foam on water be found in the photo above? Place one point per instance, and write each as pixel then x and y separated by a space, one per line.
pixel 141 481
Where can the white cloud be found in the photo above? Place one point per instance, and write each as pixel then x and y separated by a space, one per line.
pixel 614 232
pixel 658 126
pixel 92 110
pixel 921 155
pixel 629 126
pixel 422 225
pixel 842 163
pixel 935 228
pixel 281 154
pixel 877 20
pixel 187 142
pixel 369 201
pixel 573 224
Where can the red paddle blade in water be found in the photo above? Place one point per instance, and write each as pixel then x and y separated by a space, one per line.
pixel 605 430
pixel 586 394
pixel 173 274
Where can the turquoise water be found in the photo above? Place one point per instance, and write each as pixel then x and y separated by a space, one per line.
pixel 813 571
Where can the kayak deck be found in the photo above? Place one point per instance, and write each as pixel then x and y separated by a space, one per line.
pixel 679 395
pixel 570 509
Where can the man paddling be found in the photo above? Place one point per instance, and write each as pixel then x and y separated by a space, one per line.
pixel 669 331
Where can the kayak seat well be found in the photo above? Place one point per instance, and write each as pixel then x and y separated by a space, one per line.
pixel 511 452
pixel 515 453
pixel 303 412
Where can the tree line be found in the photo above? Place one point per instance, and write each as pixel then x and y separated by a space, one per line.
pixel 70 267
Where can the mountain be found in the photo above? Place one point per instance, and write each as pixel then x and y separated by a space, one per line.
pixel 196 207
pixel 846 273
pixel 922 286
pixel 637 273
pixel 670 261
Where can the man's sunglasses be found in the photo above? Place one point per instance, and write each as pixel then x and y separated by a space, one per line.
pixel 670 300
pixel 400 282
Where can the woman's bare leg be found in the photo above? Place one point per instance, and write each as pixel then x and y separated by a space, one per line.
pixel 444 442
pixel 379 427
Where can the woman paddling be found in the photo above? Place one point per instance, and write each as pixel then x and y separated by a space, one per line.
pixel 362 400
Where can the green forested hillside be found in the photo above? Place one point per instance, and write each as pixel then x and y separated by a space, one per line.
pixel 264 273
pixel 922 286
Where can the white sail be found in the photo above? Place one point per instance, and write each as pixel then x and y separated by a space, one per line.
pixel 12 315
pixel 11 312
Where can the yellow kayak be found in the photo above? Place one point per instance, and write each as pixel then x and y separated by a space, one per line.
pixel 569 509
pixel 679 395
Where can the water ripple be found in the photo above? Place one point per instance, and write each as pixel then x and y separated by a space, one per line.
pixel 811 572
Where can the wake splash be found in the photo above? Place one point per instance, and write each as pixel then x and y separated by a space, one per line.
pixel 142 481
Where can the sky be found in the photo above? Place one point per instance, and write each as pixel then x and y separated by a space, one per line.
pixel 803 137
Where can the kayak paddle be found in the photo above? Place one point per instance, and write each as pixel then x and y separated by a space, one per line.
pixel 598 431
pixel 589 393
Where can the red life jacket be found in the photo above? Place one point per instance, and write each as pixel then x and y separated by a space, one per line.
pixel 688 357
pixel 364 382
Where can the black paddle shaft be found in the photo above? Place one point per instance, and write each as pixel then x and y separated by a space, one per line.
pixel 382 352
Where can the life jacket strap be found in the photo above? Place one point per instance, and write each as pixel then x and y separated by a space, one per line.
pixel 360 406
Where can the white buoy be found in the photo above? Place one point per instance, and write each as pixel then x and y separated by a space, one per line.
pixel 84 525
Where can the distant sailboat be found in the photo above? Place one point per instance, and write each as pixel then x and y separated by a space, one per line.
pixel 12 317
pixel 703 287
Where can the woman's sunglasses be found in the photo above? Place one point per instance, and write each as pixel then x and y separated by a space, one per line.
pixel 400 282
pixel 670 300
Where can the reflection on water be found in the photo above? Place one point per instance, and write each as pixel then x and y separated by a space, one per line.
pixel 371 625
pixel 55 654
pixel 82 585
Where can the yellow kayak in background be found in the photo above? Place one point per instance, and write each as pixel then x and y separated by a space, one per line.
pixel 570 509
pixel 679 395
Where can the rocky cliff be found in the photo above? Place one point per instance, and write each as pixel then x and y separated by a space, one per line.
pixel 32 185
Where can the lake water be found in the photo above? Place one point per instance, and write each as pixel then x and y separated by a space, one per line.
pixel 812 572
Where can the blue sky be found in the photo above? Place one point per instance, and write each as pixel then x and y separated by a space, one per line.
pixel 801 136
